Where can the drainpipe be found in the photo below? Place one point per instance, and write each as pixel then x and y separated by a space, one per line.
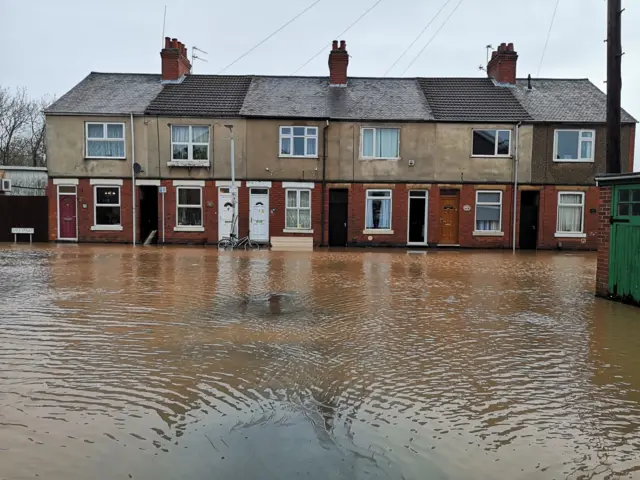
pixel 516 162
pixel 324 179
pixel 133 178
pixel 162 216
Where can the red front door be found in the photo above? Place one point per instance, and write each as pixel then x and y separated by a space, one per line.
pixel 67 214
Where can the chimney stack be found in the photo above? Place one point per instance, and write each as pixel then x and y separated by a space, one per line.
pixel 175 63
pixel 338 63
pixel 502 66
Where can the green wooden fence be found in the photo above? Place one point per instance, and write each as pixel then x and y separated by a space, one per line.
pixel 624 259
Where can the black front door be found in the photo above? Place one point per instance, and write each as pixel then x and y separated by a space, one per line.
pixel 529 202
pixel 148 212
pixel 338 213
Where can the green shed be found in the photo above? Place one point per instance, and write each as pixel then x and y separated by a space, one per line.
pixel 618 275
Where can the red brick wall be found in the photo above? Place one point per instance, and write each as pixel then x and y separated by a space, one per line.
pixel 209 216
pixel 277 212
pixel 549 216
pixel 604 214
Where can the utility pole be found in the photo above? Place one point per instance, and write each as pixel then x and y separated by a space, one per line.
pixel 614 85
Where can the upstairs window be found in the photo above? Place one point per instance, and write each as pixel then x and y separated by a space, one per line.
pixel 491 143
pixel 574 145
pixel 104 140
pixel 380 143
pixel 190 143
pixel 299 142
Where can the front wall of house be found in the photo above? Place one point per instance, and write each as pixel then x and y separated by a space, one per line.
pixel 153 151
pixel 263 152
pixel 547 171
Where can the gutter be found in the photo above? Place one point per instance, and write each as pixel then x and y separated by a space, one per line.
pixel 324 180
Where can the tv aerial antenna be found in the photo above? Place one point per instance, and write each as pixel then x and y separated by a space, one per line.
pixel 195 57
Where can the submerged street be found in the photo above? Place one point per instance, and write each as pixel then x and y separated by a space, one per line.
pixel 189 363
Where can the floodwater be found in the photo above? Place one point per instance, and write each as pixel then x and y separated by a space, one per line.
pixel 187 363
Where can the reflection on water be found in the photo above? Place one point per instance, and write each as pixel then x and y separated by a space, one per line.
pixel 190 363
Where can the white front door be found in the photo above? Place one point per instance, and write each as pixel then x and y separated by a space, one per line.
pixel 259 215
pixel 225 214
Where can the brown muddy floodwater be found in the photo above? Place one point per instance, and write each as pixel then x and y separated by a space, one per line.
pixel 187 363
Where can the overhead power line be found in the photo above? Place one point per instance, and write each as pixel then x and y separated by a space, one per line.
pixel 432 38
pixel 546 43
pixel 324 48
pixel 269 36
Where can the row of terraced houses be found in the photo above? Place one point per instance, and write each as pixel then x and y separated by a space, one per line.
pixel 333 160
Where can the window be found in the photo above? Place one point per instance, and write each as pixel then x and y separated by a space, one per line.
pixel 573 145
pixel 105 140
pixel 298 141
pixel 491 143
pixel 378 210
pixel 189 207
pixel 107 206
pixel 570 213
pixel 380 143
pixel 190 143
pixel 489 211
pixel 629 203
pixel 298 215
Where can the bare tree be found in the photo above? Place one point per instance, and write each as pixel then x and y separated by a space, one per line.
pixel 22 128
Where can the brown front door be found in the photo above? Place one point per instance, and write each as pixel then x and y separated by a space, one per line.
pixel 449 218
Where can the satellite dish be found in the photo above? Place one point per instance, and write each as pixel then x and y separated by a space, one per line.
pixel 137 168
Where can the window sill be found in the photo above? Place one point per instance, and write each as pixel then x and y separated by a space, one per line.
pixel 491 156
pixel 296 230
pixel 106 228
pixel 188 229
pixel 188 163
pixel 487 234
pixel 105 158
pixel 390 159
pixel 376 231
pixel 312 157
pixel 570 235
pixel 565 160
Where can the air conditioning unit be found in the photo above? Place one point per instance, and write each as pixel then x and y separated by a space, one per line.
pixel 5 185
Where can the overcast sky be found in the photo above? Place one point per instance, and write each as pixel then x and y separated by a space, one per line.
pixel 52 45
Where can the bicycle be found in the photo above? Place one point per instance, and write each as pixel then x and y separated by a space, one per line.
pixel 232 243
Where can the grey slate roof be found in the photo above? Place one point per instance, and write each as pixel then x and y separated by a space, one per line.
pixel 108 94
pixel 312 97
pixel 202 96
pixel 471 100
pixel 560 100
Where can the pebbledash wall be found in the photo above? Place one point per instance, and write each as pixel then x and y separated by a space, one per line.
pixel 357 234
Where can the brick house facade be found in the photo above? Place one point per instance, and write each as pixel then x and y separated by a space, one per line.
pixel 441 158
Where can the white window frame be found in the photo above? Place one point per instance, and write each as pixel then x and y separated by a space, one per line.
pixel 580 140
pixel 495 147
pixel 375 133
pixel 190 144
pixel 498 232
pixel 291 136
pixel 579 234
pixel 188 228
pixel 297 229
pixel 378 231
pixel 104 132
pixel 97 226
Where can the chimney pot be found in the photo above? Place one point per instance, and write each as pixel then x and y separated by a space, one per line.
pixel 503 63
pixel 175 62
pixel 338 63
